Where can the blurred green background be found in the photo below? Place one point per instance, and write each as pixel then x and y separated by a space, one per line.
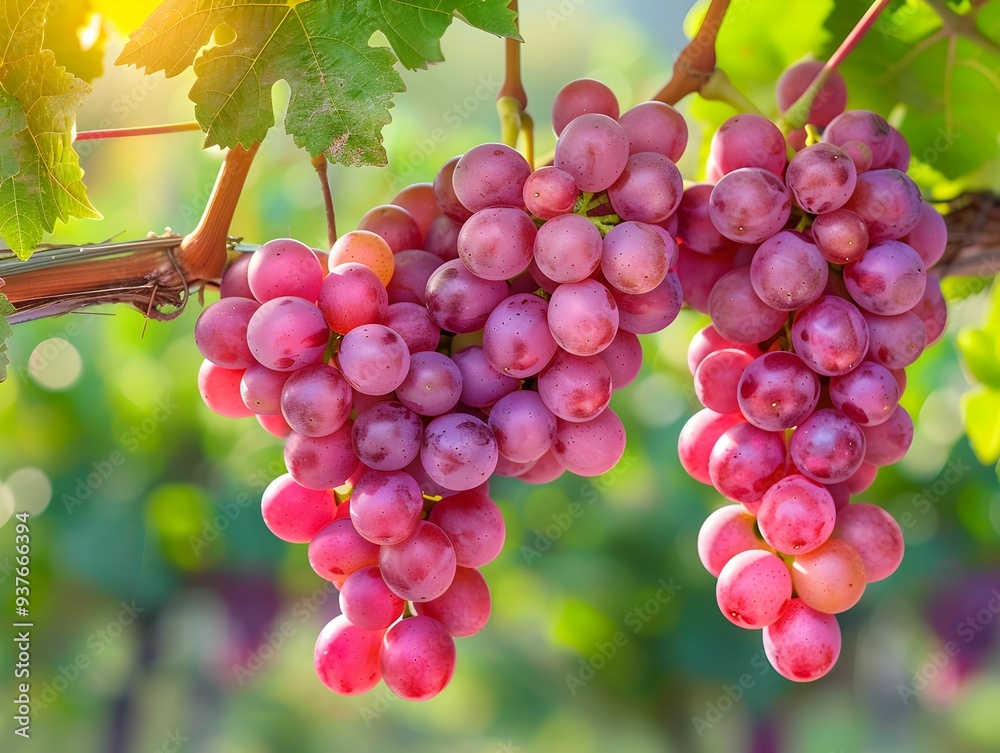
pixel 167 618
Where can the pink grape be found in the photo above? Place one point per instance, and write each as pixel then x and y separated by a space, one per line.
pixel 260 388
pixel 432 386
pixel 386 506
pixel 482 385
pixel 746 462
pixel 458 301
pixel 634 258
pixel 442 238
pixel 234 282
pixel 464 608
pixel 524 428
pixel 418 200
pixel 579 97
pixel 827 447
pixel 738 313
pixel 417 658
pixel 368 602
pixel 444 192
pixel 386 435
pixel 321 462
pixel 788 272
pixel 490 175
pixel 568 248
pixel 646 313
pixel 316 400
pixel 623 357
pixel 725 533
pixel 869 128
pixel 287 333
pixel 550 192
pixel 895 341
pixel 708 340
pixel 749 141
pixel 749 205
pixel 655 127
pixel 753 588
pixel 413 268
pixel 220 334
pixel 338 550
pixel 284 267
pixel 497 243
pixel 421 566
pixel 929 237
pixel 590 448
pixel 575 388
pixel 777 391
pixel 796 515
pixel 220 390
pixel 473 523
pixel 821 178
pixel 394 225
pixel 830 100
pixel 830 578
pixel 648 190
pixel 517 340
pixel 717 377
pixel 695 228
pixel 841 235
pixel 888 442
pixel 374 359
pixel 889 279
pixel 412 323
pixel 862 479
pixel 867 395
pixel 594 149
pixel 888 201
pixel 697 438
pixel 352 295
pixel 876 536
pixel 294 513
pixel 830 335
pixel 583 317
pixel 458 451
pixel 346 657
pixel 932 310
pixel 803 644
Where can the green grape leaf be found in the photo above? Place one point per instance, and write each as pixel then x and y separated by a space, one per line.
pixel 6 309
pixel 77 35
pixel 40 174
pixel 981 351
pixel 341 87
pixel 981 408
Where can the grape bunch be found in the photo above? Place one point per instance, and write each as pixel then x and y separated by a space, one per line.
pixel 814 273
pixel 476 326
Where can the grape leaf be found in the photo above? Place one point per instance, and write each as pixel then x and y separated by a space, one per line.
pixel 40 174
pixel 6 309
pixel 341 87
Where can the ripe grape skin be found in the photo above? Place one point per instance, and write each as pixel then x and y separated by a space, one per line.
pixel 888 201
pixel 294 513
pixel 422 566
pixel 220 390
pixel 592 148
pixel 545 470
pixel 287 333
pixel 524 428
pixel 738 313
pixel 368 602
pixel 579 97
pixel 697 438
pixel 352 295
pixel 646 313
pixel 830 335
pixel 412 323
pixel 888 442
pixel 889 279
pixel 418 199
pixel 284 267
pixel 386 507
pixel 830 578
pixel 260 389
pixel 590 448
pixel 860 154
pixel 753 588
pixel 708 340
pixel 482 385
pixel 829 101
pixel 749 205
pixel 623 357
pixel 929 237
pixel 386 435
pixel 788 272
pixel 803 644
pixel 458 300
pixel 220 334
pixel 749 140
pixel 796 515
pixel 497 243
pixel 575 388
pixel 583 317
pixel 655 127
pixel 648 190
pixel 432 386
pixel 274 424
pixel 234 280
pixel 316 400
pixel 490 175
pixel 870 128
pixel 394 225
pixel 698 273
pixel 464 608
pixel 746 462
pixel 459 451
pixel 778 391
pixel 413 269
pixel 550 192
pixel 821 178
pixel 841 235
pixel 418 658
pixel 875 535
pixel 338 550
pixel 867 395
pixel 717 377
pixel 444 192
pixel 374 359
pixel 321 462
pixel 695 228
pixel 827 447
pixel 364 247
pixel 517 340
pixel 895 341
pixel 728 531
pixel 634 258
pixel 473 524
pixel 442 238
pixel 347 658
pixel 932 310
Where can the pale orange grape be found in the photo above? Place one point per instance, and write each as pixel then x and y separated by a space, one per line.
pixel 366 248
pixel 830 578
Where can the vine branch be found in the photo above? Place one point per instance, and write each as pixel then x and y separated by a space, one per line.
pixel 695 64
pixel 319 163
pixel 154 130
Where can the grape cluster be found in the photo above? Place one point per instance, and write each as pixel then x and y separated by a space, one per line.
pixel 475 326
pixel 814 274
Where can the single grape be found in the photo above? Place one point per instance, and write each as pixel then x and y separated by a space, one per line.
pixel 550 192
pixel 524 428
pixel 895 341
pixel 346 657
pixel 862 479
pixel 321 462
pixel 444 192
pixel 458 300
pixel 338 550
pixel 694 225
pixel 412 323
pixel 648 190
pixel 749 140
pixel 260 388
pixel 708 340
pixel 698 273
pixel 386 506
pixel 841 235
pixel 517 340
pixel 590 448
pixel 413 268
pixel 888 201
pixel 352 295
pixel 830 335
pixel 482 385
pixel 929 237
pixel 738 313
pixel 932 310
pixel 803 644
pixel 418 199
pixel 386 435
pixel 860 154
pixel 634 258
pixel 234 282
pixel 888 442
pixel 368 602
pixel 287 333
pixel 796 515
pixel 875 535
pixel 869 128
pixel 777 391
pixel 220 390
pixel 821 178
pixel 316 400
pixel 697 438
pixel 717 377
pixel 575 388
pixel 545 470
pixel 274 424
pixel 749 205
pixel 830 578
pixel 442 238
pixel 579 97
pixel 464 608
pixel 594 149
pixel 490 175
pixel 867 395
pixel 753 588
pixel 284 267
pixel 646 313
pixel 827 447
pixel 889 279
pixel 417 658
pixel 459 451
pixel 294 513
pixel 830 100
pixel 364 247
pixel 725 533
pixel 422 566
pixel 788 272
pixel 497 243
pixel 394 225
pixel 473 524
pixel 583 317
pixel 623 357
pixel 746 461
pixel 220 334
pixel 655 127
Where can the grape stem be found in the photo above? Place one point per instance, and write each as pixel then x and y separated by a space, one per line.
pixel 720 88
pixel 154 130
pixel 798 112
pixel 319 163
pixel 696 63
pixel 512 100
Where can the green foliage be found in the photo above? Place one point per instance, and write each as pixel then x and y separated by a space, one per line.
pixel 40 174
pixel 6 309
pixel 62 36
pixel 981 406
pixel 341 86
